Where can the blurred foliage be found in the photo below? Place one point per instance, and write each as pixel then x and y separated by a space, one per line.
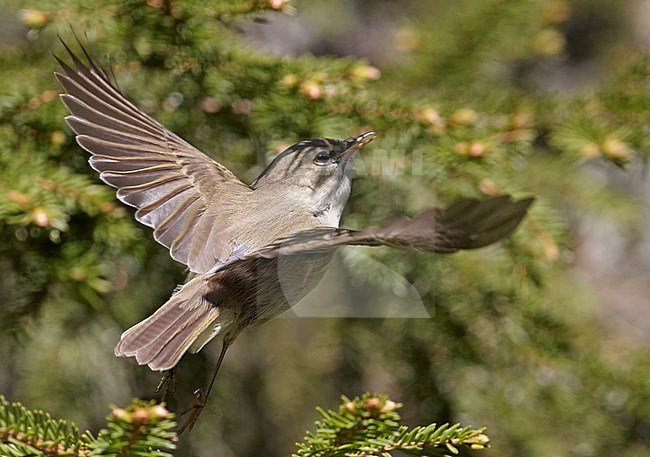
pixel 514 343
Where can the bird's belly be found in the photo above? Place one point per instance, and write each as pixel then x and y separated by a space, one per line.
pixel 262 289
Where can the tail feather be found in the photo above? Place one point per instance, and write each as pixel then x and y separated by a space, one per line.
pixel 161 340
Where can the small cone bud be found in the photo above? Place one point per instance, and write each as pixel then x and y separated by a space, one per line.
pixel 140 415
pixel 57 138
pixel 477 149
pixel 121 414
pixel 40 217
pixel 590 150
pixel 365 72
pixel 614 148
pixel 463 116
pixel 34 18
pixel 311 89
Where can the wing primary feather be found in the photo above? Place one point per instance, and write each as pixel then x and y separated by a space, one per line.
pixel 109 107
pixel 84 127
pixel 100 78
pixel 123 151
pixel 97 120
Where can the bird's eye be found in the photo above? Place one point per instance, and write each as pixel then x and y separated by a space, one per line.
pixel 322 158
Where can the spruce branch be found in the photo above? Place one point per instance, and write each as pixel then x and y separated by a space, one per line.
pixel 370 426
pixel 143 428
pixel 25 432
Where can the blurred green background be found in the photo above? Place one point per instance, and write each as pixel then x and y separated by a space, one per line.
pixel 543 339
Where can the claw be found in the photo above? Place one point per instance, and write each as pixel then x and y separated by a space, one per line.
pixel 200 400
pixel 167 384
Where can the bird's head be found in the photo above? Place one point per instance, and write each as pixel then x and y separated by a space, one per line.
pixel 315 174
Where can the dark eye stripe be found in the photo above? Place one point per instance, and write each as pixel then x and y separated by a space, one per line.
pixel 296 155
pixel 297 159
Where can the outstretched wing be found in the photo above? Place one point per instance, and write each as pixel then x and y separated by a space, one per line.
pixel 466 224
pixel 179 191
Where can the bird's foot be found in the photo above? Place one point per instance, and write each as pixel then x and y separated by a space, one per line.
pixel 167 384
pixel 200 400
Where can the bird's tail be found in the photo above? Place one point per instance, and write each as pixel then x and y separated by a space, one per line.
pixel 161 340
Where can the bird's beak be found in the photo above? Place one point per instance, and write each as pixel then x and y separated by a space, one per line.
pixel 345 153
pixel 354 144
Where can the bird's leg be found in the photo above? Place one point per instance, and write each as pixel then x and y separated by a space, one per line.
pixel 167 383
pixel 201 399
